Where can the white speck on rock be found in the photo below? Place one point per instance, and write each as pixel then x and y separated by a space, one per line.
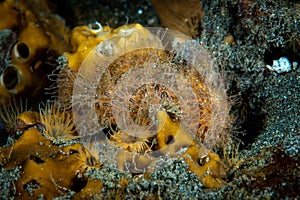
pixel 280 66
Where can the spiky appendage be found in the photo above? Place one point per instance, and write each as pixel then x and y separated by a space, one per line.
pixel 130 143
pixel 10 112
pixel 14 119
pixel 88 160
pixel 58 123
pixel 62 79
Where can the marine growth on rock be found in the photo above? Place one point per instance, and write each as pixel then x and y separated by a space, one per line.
pixel 146 95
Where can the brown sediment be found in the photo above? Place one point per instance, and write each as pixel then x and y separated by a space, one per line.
pixel 180 15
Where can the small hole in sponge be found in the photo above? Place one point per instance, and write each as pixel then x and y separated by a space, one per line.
pixel 10 77
pixel 36 159
pixel 78 184
pixel 170 139
pixel 23 50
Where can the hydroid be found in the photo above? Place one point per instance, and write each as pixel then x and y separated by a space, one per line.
pixel 58 123
pixel 11 122
pixel 87 159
